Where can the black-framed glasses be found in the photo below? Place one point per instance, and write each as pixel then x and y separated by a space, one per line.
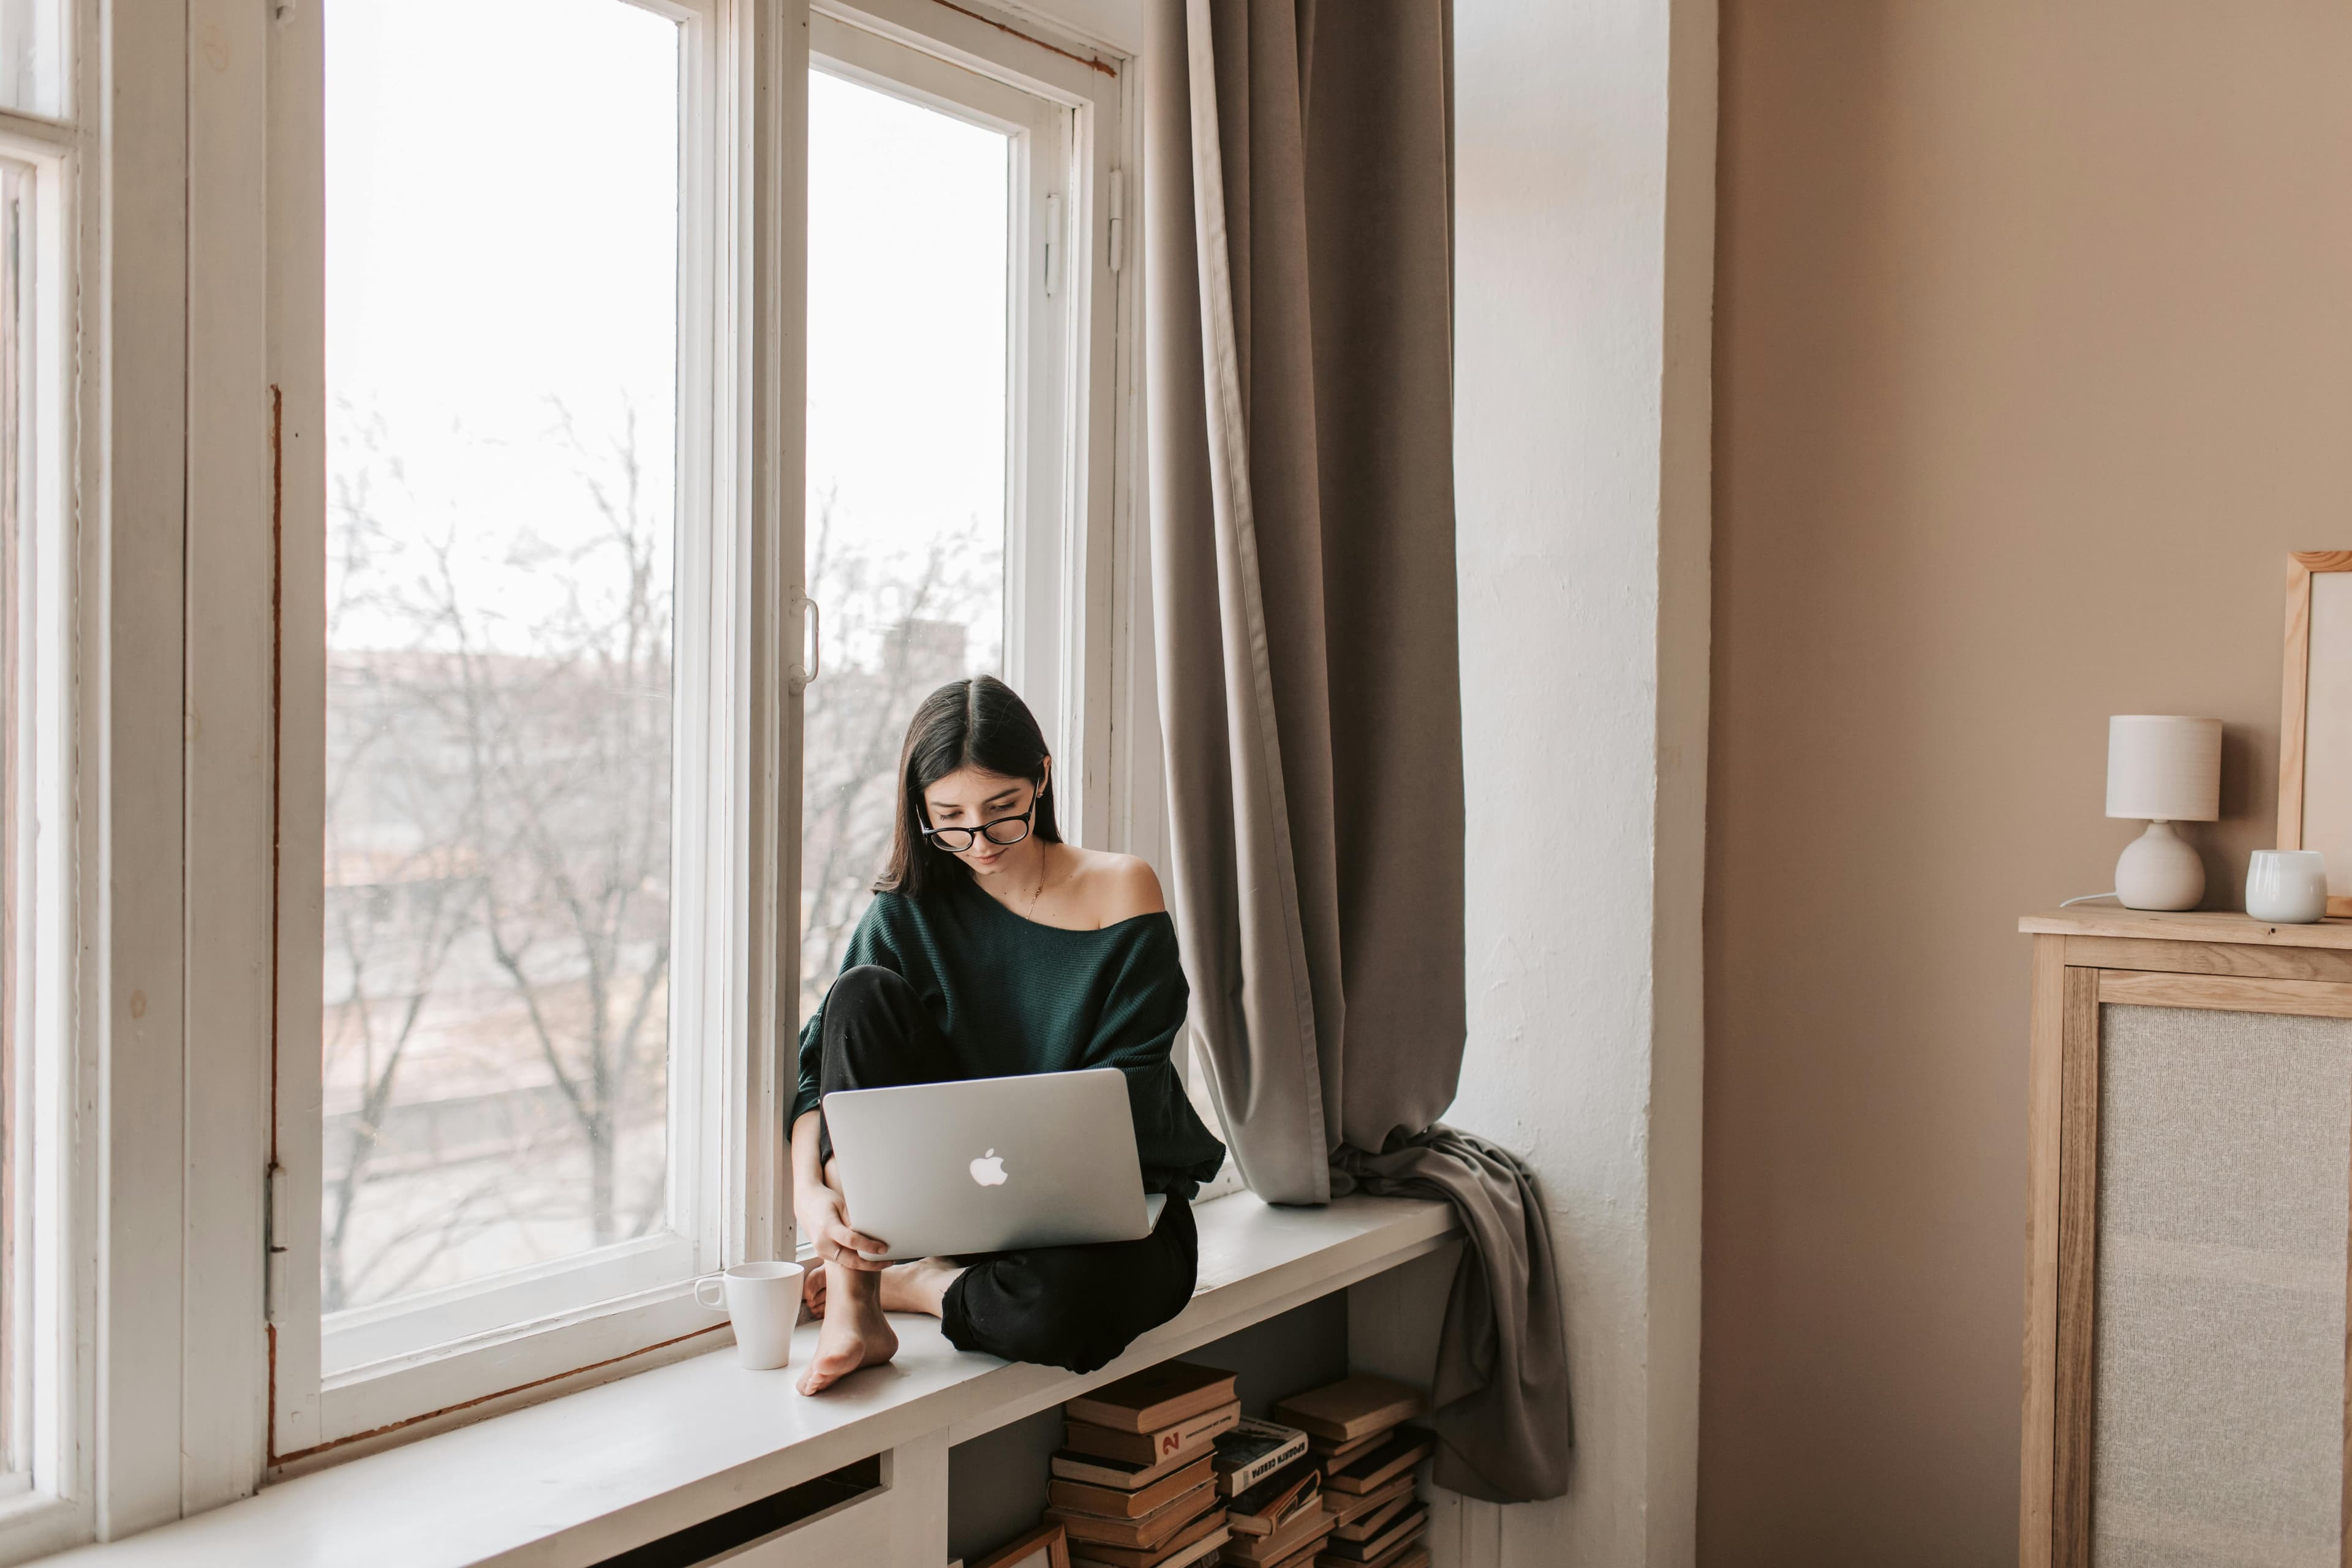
pixel 1002 832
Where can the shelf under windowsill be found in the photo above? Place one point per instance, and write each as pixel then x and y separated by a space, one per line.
pixel 587 1475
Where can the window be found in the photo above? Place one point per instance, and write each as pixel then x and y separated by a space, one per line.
pixel 501 522
pixel 31 886
pixel 910 269
pixel 946 443
pixel 545 764
pixel 514 1103
pixel 43 1478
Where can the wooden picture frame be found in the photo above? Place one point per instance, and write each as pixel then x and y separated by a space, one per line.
pixel 2320 620
pixel 1044 1547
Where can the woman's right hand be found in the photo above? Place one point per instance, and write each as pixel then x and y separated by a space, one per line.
pixel 824 1223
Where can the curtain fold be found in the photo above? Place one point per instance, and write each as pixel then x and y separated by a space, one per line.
pixel 1298 308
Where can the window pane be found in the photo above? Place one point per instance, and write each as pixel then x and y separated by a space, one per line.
pixel 32 56
pixel 907 438
pixel 502 341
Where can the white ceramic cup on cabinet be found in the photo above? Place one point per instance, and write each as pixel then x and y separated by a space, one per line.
pixel 2286 886
pixel 763 1301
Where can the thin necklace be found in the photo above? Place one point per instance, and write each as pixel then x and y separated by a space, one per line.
pixel 1030 911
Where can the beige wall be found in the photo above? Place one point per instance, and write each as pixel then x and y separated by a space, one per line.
pixel 2033 359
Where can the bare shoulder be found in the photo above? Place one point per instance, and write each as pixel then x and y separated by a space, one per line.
pixel 1115 888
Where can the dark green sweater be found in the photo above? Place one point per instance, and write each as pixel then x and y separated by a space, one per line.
pixel 1013 996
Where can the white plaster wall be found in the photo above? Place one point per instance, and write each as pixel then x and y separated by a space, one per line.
pixel 1585 160
pixel 1585 164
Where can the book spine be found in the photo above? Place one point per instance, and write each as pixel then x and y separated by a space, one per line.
pixel 1199 1429
pixel 1233 1483
pixel 1102 1443
pixel 1081 1468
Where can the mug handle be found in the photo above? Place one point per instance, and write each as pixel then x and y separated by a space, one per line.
pixel 717 1282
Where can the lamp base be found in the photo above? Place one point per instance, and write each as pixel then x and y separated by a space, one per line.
pixel 2158 871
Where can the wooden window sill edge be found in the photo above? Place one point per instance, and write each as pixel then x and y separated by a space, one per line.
pixel 578 1479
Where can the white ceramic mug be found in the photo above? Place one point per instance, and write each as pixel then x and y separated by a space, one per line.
pixel 2286 886
pixel 763 1301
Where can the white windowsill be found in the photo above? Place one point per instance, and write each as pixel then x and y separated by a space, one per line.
pixel 581 1477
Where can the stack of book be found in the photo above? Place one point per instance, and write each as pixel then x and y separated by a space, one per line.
pixel 1274 1497
pixel 1134 1484
pixel 1356 1435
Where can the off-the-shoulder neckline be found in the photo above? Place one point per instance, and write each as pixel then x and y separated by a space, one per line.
pixel 1067 930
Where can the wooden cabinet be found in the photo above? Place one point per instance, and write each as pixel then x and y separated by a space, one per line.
pixel 2190 1185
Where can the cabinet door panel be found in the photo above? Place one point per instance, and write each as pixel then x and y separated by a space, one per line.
pixel 2224 1152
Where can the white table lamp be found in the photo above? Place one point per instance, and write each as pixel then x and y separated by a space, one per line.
pixel 2162 770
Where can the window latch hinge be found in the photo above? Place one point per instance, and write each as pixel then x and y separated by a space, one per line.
pixel 274 1257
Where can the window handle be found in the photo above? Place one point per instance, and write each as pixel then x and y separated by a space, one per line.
pixel 814 645
pixel 1053 244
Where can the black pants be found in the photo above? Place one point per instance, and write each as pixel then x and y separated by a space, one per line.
pixel 1074 1307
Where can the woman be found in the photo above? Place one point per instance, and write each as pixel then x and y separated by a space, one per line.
pixel 992 949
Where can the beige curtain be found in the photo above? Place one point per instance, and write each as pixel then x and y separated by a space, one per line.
pixel 1298 278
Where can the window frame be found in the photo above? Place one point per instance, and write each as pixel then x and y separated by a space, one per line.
pixel 52 1498
pixel 1041 133
pixel 1074 503
pixel 382 1347
pixel 221 1156
pixel 44 1498
pixel 396 1368
pixel 1074 507
pixel 1037 134
pixel 189 430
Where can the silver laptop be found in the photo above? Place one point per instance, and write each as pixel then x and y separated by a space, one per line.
pixel 989 1165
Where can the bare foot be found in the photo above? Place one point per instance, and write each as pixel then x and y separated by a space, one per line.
pixel 918 1286
pixel 855 1334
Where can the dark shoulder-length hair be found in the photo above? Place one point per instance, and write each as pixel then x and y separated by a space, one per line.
pixel 976 724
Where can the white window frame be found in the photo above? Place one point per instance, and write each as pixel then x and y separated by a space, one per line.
pixel 391 1368
pixel 1067 519
pixel 101 1274
pixel 1040 132
pixel 47 1500
pixel 1073 485
pixel 214 1365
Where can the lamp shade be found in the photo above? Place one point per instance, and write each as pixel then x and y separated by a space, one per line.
pixel 2162 768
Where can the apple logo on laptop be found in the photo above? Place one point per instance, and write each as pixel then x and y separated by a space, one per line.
pixel 988 1169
